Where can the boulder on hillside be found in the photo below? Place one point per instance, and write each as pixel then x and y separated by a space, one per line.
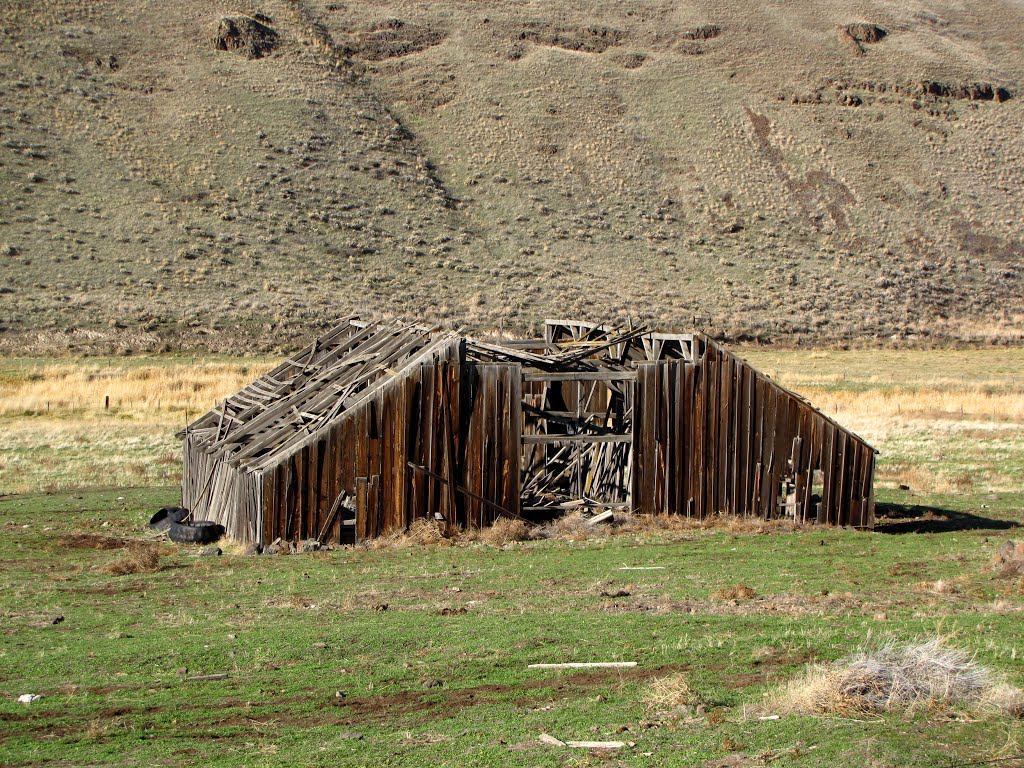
pixel 1009 559
pixel 245 35
pixel 866 33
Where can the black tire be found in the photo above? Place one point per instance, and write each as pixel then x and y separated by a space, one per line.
pixel 165 516
pixel 196 532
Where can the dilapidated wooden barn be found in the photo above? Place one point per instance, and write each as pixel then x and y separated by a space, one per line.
pixel 377 424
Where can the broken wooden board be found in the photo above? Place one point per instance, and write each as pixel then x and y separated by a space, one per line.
pixel 551 741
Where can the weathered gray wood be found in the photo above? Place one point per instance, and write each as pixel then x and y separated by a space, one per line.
pixel 604 375
pixel 538 439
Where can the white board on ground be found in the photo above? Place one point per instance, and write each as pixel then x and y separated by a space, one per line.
pixel 584 665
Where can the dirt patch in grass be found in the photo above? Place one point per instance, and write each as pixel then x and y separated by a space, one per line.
pixel 380 709
pixel 110 589
pixel 394 38
pixel 91 541
pixel 789 605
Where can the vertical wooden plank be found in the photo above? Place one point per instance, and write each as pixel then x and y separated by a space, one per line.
pixel 749 441
pixel 842 506
pixel 714 378
pixel 725 444
pixel 451 387
pixel 652 476
pixel 688 416
pixel 870 479
pixel 769 494
pixel 513 451
pixel 704 446
pixel 362 510
pixel 828 472
pixel 373 504
pixel 679 422
pixel 855 493
pixel 269 497
pixel 431 421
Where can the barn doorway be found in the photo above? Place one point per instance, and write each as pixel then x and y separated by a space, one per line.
pixel 577 441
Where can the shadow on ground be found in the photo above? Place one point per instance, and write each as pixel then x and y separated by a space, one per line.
pixel 919 518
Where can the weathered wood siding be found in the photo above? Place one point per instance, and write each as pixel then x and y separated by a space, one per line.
pixel 214 490
pixel 716 436
pixel 443 438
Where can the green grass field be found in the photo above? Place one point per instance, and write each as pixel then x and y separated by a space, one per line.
pixel 314 658
pixel 322 673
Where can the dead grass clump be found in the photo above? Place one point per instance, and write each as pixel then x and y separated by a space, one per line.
pixel 738 592
pixel 670 692
pixel 506 530
pixel 890 677
pixel 90 541
pixel 572 527
pixel 135 560
pixel 1003 698
pixel 630 523
pixel 422 532
pixel 732 523
pixel 941 587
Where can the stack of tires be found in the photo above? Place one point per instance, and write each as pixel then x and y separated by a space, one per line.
pixel 172 520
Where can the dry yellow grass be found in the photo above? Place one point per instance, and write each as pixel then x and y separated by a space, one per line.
pixel 738 592
pixel 947 422
pixel 138 559
pixel 670 692
pixel 60 435
pixel 889 677
pixel 505 531
pixel 422 532
pixel 146 391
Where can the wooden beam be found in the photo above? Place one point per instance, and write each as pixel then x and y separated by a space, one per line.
pixel 545 439
pixel 581 376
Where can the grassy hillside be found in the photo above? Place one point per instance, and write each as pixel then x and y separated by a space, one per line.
pixel 820 170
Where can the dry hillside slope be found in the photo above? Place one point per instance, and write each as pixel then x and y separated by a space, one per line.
pixel 235 174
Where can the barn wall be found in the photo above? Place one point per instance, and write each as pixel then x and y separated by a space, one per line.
pixel 715 435
pixel 214 490
pixel 442 438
